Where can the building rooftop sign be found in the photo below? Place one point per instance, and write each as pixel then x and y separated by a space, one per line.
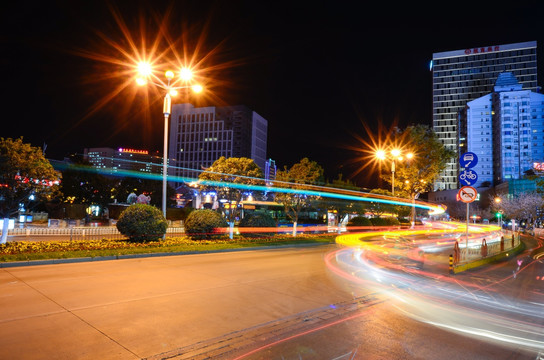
pixel 482 50
pixel 133 151
pixel 485 50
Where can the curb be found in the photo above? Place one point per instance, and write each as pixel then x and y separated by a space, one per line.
pixel 137 256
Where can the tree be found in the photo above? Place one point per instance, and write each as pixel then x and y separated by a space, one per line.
pixel 344 207
pixel 82 184
pixel 523 207
pixel 378 208
pixel 229 177
pixel 299 177
pixel 24 174
pixel 417 175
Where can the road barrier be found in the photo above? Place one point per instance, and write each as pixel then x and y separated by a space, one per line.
pixel 487 250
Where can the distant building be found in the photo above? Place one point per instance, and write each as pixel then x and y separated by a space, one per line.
pixel 505 129
pixel 270 171
pixel 199 136
pixel 114 161
pixel 514 188
pixel 461 76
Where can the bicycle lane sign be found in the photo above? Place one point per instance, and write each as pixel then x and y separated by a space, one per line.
pixel 468 177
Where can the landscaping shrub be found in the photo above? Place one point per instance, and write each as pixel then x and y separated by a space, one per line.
pixel 257 220
pixel 142 222
pixel 393 221
pixel 359 221
pixel 202 224
pixel 388 221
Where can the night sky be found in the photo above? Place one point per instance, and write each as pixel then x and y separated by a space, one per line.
pixel 326 75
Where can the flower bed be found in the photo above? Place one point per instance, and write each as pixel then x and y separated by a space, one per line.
pixel 170 244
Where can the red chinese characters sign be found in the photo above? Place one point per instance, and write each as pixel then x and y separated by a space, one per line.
pixel 133 151
pixel 482 50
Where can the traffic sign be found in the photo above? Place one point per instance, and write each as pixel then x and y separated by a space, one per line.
pixel 468 177
pixel 467 194
pixel 468 160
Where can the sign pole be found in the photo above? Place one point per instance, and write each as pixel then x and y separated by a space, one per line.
pixel 466 242
pixel 468 177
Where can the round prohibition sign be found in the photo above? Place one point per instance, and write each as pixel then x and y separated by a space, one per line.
pixel 467 194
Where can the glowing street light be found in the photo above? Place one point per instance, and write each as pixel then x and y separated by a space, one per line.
pixel 145 69
pixel 171 87
pixel 499 213
pixel 394 155
pixel 185 74
pixel 197 88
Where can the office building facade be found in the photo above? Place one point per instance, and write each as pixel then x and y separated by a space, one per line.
pixel 461 76
pixel 199 136
pixel 112 161
pixel 505 129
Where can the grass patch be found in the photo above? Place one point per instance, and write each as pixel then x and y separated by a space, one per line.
pixel 47 250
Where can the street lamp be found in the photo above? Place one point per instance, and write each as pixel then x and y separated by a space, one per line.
pixel 394 155
pixel 171 88
pixel 499 214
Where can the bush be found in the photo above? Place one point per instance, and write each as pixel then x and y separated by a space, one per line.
pixel 377 221
pixel 258 220
pixel 359 221
pixel 202 224
pixel 142 222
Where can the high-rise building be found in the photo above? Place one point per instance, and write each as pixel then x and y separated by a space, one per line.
pixel 270 171
pixel 505 129
pixel 463 75
pixel 199 136
pixel 114 161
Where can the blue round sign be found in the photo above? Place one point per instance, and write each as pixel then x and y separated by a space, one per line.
pixel 468 177
pixel 468 160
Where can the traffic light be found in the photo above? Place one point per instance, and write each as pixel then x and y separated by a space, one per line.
pixel 498 215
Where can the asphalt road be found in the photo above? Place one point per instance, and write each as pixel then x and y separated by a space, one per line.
pixel 265 304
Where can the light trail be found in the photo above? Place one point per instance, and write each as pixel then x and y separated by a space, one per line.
pixel 310 190
pixel 482 311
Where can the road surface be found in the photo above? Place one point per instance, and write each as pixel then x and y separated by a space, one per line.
pixel 265 304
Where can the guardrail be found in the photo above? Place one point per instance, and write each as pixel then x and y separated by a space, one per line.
pixel 80 233
pixel 494 245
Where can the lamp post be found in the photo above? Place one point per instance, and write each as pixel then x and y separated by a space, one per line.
pixel 395 155
pixel 171 88
pixel 499 214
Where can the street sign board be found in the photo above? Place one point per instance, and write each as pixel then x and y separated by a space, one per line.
pixel 467 194
pixel 468 177
pixel 468 160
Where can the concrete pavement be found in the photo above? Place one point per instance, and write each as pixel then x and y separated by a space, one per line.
pixel 141 308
